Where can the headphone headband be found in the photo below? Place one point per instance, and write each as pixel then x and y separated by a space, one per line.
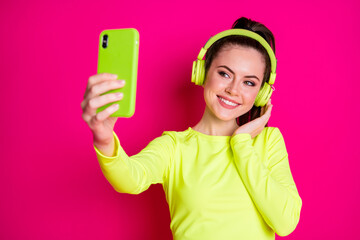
pixel 246 33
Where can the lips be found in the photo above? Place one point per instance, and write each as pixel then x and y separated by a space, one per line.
pixel 228 101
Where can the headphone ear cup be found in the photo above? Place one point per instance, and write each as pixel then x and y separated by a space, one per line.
pixel 198 72
pixel 264 95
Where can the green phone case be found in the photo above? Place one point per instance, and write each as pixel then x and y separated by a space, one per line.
pixel 120 57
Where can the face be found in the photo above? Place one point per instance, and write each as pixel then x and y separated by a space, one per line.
pixel 233 82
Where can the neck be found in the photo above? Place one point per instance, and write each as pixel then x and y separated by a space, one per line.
pixel 211 125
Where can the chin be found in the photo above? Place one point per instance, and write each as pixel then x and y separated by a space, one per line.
pixel 233 116
pixel 226 118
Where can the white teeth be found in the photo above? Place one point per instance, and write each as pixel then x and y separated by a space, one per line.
pixel 228 102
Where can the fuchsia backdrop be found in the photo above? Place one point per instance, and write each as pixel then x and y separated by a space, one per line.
pixel 51 184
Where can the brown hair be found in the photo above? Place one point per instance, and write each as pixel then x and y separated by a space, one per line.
pixel 264 32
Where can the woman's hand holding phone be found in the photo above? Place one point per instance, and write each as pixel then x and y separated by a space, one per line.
pixel 101 124
pixel 255 126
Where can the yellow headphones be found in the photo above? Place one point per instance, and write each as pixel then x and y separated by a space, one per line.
pixel 198 70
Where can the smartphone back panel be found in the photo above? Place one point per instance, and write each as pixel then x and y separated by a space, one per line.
pixel 118 54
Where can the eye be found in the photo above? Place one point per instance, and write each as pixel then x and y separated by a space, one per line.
pixel 249 83
pixel 224 74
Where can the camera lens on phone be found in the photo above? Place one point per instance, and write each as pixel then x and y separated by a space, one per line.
pixel 105 41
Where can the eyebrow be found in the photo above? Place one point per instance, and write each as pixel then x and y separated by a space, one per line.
pixel 249 76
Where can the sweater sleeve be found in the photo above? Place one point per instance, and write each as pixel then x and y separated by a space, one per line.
pixel 269 181
pixel 136 173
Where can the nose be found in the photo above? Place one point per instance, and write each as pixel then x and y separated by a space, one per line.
pixel 233 88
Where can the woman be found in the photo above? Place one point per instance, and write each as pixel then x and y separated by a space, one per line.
pixel 228 177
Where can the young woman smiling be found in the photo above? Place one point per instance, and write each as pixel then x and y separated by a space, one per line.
pixel 231 86
pixel 228 177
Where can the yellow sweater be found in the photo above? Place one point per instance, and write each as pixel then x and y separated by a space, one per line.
pixel 217 187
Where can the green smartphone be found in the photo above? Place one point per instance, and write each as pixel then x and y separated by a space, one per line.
pixel 118 54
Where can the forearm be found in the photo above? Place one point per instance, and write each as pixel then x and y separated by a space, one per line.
pixel 278 204
pixel 136 173
pixel 274 194
pixel 123 174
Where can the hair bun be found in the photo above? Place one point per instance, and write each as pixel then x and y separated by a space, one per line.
pixel 256 27
pixel 243 23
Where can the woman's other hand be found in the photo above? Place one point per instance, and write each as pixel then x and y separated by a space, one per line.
pixel 101 124
pixel 255 126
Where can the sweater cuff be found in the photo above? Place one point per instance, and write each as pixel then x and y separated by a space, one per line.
pixel 240 138
pixel 116 150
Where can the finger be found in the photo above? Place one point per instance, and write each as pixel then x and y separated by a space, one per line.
pixel 103 87
pixel 83 103
pixel 266 107
pixel 267 114
pixel 95 103
pixel 100 77
pixel 262 110
pixel 265 117
pixel 103 115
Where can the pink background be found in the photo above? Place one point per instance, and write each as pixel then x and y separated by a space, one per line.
pixel 51 183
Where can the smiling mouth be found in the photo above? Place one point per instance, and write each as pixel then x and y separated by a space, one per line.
pixel 227 102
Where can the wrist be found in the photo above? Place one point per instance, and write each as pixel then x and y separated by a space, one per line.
pixel 107 148
pixel 240 131
pixel 103 139
pixel 241 137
